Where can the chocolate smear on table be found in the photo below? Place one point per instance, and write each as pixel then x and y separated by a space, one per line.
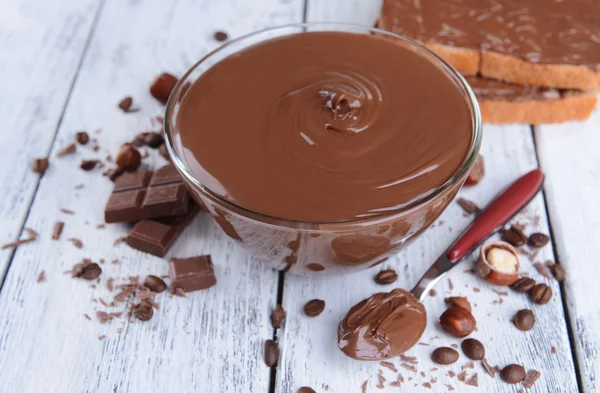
pixel 82 137
pixel 70 149
pixel 191 274
pixel 277 316
pixel 514 236
pixel 40 165
pixel 162 87
pixel 382 326
pixel 314 307
pixel 469 207
pixel 385 277
pixel 271 353
pixel 155 284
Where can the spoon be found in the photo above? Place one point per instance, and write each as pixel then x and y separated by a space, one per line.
pixel 492 218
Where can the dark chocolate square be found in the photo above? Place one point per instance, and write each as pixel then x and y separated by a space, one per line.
pixel 191 274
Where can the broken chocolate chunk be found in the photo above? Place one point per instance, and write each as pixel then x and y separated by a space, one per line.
pixel 191 274
pixel 40 165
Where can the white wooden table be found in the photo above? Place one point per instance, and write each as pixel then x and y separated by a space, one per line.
pixel 64 64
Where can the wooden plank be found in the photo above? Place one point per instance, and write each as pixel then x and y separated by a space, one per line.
pixel 310 356
pixel 568 155
pixel 210 341
pixel 41 44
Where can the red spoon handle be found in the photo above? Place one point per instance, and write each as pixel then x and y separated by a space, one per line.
pixel 502 209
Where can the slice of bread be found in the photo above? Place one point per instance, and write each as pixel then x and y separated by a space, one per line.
pixel 502 39
pixel 503 103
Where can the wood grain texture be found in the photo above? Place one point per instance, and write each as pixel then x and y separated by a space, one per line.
pixel 309 352
pixel 41 44
pixel 210 341
pixel 568 155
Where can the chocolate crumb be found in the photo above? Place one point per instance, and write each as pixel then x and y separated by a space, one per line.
pixel 389 365
pixel 427 385
pixel 87 317
pixel 125 104
pixel 473 381
pixel 462 377
pixel 450 284
pixel 88 165
pixel 110 284
pixel 41 277
pixel 70 149
pixel 79 186
pixel 102 316
pixel 220 36
pixel 469 207
pixel 432 292
pixel 76 242
pixel 541 268
pixel 381 384
pixel 143 311
pixel 553 350
pixel 102 337
pixel 451 374
pixel 488 369
pixel 82 137
pixel 40 165
pixel 408 367
pixel 18 243
pixel 531 378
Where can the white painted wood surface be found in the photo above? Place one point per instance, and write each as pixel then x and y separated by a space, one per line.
pixel 569 155
pixel 210 341
pixel 41 44
pixel 309 352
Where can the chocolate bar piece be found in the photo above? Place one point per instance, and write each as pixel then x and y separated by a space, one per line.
pixel 191 274
pixel 156 236
pixel 140 195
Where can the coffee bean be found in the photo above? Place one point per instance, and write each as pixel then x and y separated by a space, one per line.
pixel 306 389
pixel 40 165
pixel 314 307
pixel 155 284
pixel 524 320
pixel 458 301
pixel 513 373
pixel 125 104
pixel 469 207
pixel 541 294
pixel 558 272
pixel 88 165
pixel 444 355
pixel 271 353
pixel 386 277
pixel 143 311
pixel 277 316
pixel 82 137
pixel 477 172
pixel 220 36
pixel 129 158
pixel 473 349
pixel 538 240
pixel 523 285
pixel 162 87
pixel 90 271
pixel 153 139
pixel 514 236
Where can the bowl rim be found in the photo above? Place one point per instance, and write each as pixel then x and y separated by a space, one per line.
pixel 462 171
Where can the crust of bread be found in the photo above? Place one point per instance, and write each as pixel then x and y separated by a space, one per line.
pixel 563 76
pixel 577 107
pixel 465 60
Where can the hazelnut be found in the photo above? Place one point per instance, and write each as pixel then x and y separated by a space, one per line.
pixel 498 263
pixel 162 87
pixel 129 158
pixel 477 172
pixel 457 322
pixel 458 301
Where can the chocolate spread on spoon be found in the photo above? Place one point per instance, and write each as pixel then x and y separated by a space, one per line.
pixel 324 127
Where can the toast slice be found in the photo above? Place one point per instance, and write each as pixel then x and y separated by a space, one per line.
pixel 549 43
pixel 503 103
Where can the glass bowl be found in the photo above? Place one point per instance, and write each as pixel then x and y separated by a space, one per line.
pixel 319 247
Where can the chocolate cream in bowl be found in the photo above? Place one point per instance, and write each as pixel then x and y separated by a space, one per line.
pixel 324 127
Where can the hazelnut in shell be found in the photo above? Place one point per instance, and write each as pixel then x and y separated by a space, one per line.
pixel 498 263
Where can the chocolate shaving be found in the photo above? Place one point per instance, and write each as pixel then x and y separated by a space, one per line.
pixel 87 317
pixel 469 207
pixel 103 317
pixel 427 385
pixel 488 369
pixel 70 149
pixel 451 374
pixel 365 385
pixel 408 367
pixel 41 277
pixel 76 242
pixel 450 284
pixel 101 337
pixel 531 378
pixel 409 359
pixel 58 229
pixel 119 240
pixel 381 381
pixel 542 269
pixel 67 211
pixel 18 243
pixel 462 377
pixel 473 381
pixel 389 365
pixel 110 284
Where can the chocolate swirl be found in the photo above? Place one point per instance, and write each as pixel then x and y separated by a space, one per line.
pixel 382 326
